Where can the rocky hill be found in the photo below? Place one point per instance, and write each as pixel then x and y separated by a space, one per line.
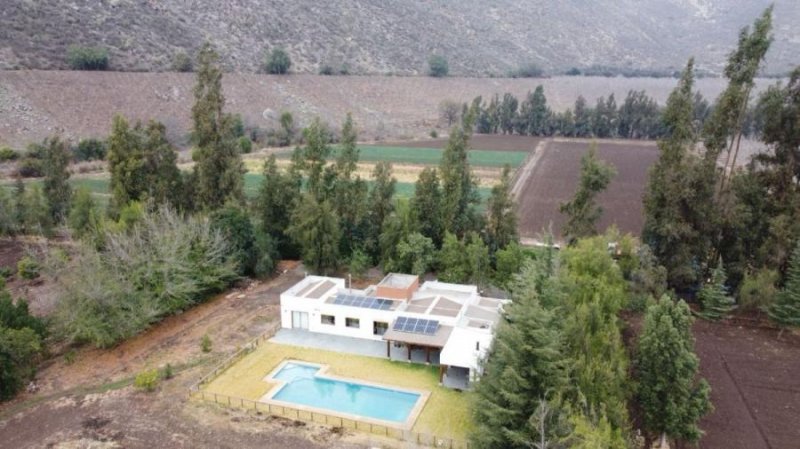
pixel 376 36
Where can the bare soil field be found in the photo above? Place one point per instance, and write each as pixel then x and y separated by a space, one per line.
pixel 755 386
pixel 35 104
pixel 554 178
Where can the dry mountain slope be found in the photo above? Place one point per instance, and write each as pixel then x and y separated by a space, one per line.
pixel 375 36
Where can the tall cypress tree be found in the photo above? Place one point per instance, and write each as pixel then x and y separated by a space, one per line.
pixel 350 191
pixel 218 165
pixel 459 191
pixel 315 229
pixel 679 191
pixel 786 309
pixel 426 206
pixel 380 207
pixel 56 186
pixel 672 398
pixel 501 222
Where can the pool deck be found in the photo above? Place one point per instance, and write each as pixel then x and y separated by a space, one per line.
pixel 369 348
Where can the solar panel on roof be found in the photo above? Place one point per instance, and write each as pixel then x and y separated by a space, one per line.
pixel 416 325
pixel 400 323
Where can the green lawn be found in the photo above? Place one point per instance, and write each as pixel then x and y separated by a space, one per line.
pixel 432 156
pixel 445 414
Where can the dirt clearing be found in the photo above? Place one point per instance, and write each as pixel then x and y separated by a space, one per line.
pixel 755 387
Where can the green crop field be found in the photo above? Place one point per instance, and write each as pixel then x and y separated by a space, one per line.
pixel 432 156
pixel 99 187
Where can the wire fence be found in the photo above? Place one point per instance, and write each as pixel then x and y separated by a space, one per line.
pixel 196 392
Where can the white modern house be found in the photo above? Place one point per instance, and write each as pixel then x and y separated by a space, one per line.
pixel 451 321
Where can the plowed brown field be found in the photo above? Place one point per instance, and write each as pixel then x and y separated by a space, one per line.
pixel 554 178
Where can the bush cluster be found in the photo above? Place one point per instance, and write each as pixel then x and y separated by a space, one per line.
pixel 87 58
pixel 7 154
pixel 277 62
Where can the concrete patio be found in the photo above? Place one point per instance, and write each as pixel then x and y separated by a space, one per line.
pixel 454 377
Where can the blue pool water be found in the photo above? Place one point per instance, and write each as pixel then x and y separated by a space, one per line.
pixel 303 387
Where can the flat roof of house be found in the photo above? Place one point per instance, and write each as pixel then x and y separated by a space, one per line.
pixel 398 280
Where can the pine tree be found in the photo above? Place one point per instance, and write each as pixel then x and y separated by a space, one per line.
pixel 582 211
pixel 672 398
pixel 524 365
pixel 501 222
pixel 714 296
pixel 218 165
pixel 56 187
pixel 786 309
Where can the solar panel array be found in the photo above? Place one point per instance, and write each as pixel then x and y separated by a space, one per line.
pixel 364 302
pixel 416 325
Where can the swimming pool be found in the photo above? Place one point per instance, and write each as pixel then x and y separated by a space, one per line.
pixel 304 386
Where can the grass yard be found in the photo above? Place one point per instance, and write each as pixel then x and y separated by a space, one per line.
pixel 431 156
pixel 446 412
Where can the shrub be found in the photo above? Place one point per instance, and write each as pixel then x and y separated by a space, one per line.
pixel 90 150
pixel 277 62
pixel 758 290
pixel 434 134
pixel 163 264
pixel 20 344
pixel 359 263
pixel 147 380
pixel 30 168
pixel 87 58
pixel 69 357
pixel 5 272
pixel 245 145
pixel 181 62
pixel 205 343
pixel 573 72
pixel 7 154
pixel 167 372
pixel 530 70
pixel 437 66
pixel 27 268
pixel 325 69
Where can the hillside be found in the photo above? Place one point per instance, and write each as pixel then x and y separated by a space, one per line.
pixel 373 36
pixel 35 104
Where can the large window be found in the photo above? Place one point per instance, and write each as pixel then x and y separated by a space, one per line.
pixel 352 322
pixel 379 327
pixel 328 319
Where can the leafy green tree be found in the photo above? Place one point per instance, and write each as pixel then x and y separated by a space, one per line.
pixel 604 118
pixel 477 259
pixel 437 66
pixel 380 206
pixel 90 150
pixel 426 205
pixel 35 214
pixel 277 62
pixel 786 309
pixel 668 390
pixel 459 190
pixel 275 202
pixel 758 290
pixel 534 115
pixel 315 155
pixel 87 58
pixel 582 211
pixel 21 337
pixel 287 128
pixel 315 229
pixel 218 164
pixel 234 224
pixel 181 62
pixel 452 263
pixel 396 229
pixel 7 224
pixel 56 186
pixel 724 128
pixel 583 118
pixel 415 255
pixel 143 164
pixel 714 296
pixel 507 115
pixel 508 262
pixel 83 212
pixel 350 191
pixel 359 263
pixel 501 221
